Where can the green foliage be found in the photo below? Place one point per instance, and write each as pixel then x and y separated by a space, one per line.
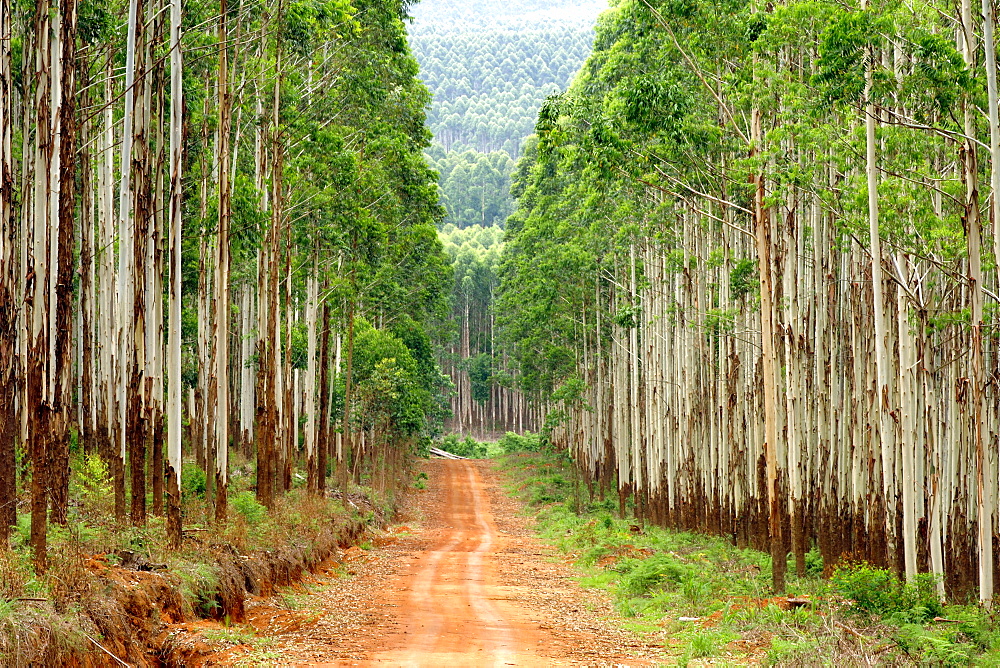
pixel 23 529
pixel 245 503
pixel 393 396
pixel 708 643
pixel 488 82
pixel 743 279
pixel 488 74
pixel 474 187
pixel 90 481
pixel 878 591
pixel 192 482
pixel 200 585
pixel 641 577
pixel 511 442
pixel 481 376
pixel 467 447
pixel 784 652
pixel 844 44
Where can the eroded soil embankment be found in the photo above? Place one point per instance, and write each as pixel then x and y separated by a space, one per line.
pixel 127 611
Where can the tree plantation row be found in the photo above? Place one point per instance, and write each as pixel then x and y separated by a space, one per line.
pixel 488 84
pixel 754 266
pixel 486 400
pixel 217 229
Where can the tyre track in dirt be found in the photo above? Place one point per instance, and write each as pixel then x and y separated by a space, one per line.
pixel 465 583
pixel 448 617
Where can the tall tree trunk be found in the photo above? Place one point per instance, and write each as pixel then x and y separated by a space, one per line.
pixel 64 115
pixel 348 396
pixel 323 440
pixel 222 270
pixel 882 410
pixel 42 262
pixel 310 383
pixel 973 229
pixel 9 302
pixel 154 272
pixel 762 232
pixel 174 421
pixel 128 398
pixel 138 424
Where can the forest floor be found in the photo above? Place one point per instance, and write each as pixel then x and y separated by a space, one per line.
pixel 460 580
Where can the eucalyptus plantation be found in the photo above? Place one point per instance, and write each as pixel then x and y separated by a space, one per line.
pixel 748 281
pixel 200 203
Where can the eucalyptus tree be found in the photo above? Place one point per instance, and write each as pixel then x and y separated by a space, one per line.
pixel 9 366
pixel 175 401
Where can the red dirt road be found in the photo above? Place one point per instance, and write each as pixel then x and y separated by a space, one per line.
pixel 464 583
pixel 451 609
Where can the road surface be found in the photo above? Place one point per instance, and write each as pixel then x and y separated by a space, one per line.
pixel 463 583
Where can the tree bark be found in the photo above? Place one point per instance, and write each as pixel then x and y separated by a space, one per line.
pixel 323 440
pixel 762 231
pixel 222 270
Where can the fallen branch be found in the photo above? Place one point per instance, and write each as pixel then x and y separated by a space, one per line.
pixel 106 651
pixel 437 452
pixel 851 631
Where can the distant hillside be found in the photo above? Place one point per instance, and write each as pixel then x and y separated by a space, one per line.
pixel 489 67
pixel 489 85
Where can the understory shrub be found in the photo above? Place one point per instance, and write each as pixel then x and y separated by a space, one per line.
pixel 527 442
pixel 246 504
pixel 192 482
pixel 878 591
pixel 642 576
pixel 467 447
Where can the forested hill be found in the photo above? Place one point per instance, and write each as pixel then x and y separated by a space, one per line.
pixel 763 245
pixel 488 82
pixel 489 66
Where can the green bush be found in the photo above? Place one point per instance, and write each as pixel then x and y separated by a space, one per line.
pixel 90 481
pixel 551 491
pixel 527 442
pixel 467 447
pixel 246 504
pixel 878 591
pixel 642 576
pixel 192 482
pixel 814 562
pixel 708 642
pixel 933 648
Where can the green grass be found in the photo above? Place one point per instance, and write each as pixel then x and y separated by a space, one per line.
pixel 233 635
pixel 657 577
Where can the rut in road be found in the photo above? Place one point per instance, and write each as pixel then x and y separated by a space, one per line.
pixel 453 608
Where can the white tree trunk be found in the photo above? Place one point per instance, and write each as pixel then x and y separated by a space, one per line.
pixel 174 399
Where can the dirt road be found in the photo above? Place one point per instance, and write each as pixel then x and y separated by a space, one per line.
pixel 464 583
pixel 451 609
